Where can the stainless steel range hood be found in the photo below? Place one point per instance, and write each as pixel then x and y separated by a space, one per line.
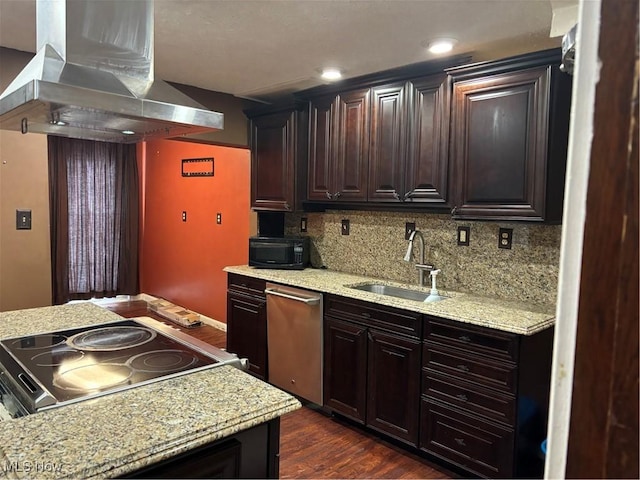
pixel 93 78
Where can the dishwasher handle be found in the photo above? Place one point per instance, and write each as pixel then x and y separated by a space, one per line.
pixel 307 300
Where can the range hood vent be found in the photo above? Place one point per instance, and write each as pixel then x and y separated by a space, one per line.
pixel 93 78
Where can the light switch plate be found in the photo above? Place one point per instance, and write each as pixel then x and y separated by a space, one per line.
pixel 23 219
pixel 303 224
pixel 408 228
pixel 345 227
pixel 463 236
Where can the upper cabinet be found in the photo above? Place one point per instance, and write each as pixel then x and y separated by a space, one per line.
pixel 277 139
pixel 509 140
pixel 339 146
pixel 409 135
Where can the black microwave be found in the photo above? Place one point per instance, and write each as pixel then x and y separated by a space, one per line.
pixel 291 253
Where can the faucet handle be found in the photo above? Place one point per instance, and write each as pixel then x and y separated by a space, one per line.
pixel 421 266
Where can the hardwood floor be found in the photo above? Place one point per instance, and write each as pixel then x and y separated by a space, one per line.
pixel 313 444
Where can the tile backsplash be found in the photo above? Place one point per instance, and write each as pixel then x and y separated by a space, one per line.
pixel 376 246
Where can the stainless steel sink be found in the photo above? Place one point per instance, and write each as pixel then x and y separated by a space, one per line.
pixel 398 292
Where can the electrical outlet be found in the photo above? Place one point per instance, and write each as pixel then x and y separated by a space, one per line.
pixel 408 228
pixel 505 238
pixel 219 218
pixel 345 227
pixel 184 215
pixel 23 219
pixel 303 224
pixel 463 236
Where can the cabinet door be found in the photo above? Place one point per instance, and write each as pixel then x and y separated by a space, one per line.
pixel 394 386
pixel 427 160
pixel 388 143
pixel 345 368
pixel 321 174
pixel 500 141
pixel 247 331
pixel 272 161
pixel 352 146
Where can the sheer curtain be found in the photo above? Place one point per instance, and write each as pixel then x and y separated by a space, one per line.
pixel 94 218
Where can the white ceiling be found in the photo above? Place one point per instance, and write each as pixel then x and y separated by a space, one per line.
pixel 254 48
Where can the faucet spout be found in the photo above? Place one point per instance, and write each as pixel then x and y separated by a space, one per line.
pixel 422 267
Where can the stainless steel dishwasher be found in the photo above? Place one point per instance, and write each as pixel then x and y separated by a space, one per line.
pixel 294 340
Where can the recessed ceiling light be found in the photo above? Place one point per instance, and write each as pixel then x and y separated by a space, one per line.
pixel 442 45
pixel 128 132
pixel 331 74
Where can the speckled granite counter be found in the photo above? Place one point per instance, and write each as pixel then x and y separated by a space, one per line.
pixel 510 316
pixel 125 431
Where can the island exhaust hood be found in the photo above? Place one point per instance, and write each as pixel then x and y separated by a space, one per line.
pixel 93 78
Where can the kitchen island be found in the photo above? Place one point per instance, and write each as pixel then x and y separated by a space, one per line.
pixel 122 433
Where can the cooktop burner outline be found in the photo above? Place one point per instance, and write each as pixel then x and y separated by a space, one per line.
pixel 111 338
pixel 57 356
pixel 38 342
pixel 93 377
pixel 158 361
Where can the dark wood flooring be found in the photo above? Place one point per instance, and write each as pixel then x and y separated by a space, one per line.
pixel 313 444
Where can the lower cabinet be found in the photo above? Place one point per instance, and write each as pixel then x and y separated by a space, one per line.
pixel 253 453
pixel 247 322
pixel 372 375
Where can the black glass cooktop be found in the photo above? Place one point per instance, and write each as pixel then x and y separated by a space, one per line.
pixel 81 362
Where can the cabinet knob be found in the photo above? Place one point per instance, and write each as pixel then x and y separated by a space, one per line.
pixel 463 367
pixel 460 441
pixel 464 338
pixel 396 195
pixel 287 206
pixel 462 397
pixel 329 196
pixel 293 382
pixel 337 195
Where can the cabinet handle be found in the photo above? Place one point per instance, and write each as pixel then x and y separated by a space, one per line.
pixel 464 368
pixel 337 195
pixel 395 195
pixel 408 195
pixel 287 206
pixel 460 441
pixel 462 397
pixel 366 315
pixel 464 338
pixel 329 196
pixel 453 210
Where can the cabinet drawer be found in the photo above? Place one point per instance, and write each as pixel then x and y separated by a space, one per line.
pixel 469 368
pixel 481 447
pixel 484 341
pixel 247 285
pixel 374 315
pixel 469 397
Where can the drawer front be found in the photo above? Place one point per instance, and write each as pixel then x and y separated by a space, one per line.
pixel 246 285
pixel 374 315
pixel 481 340
pixel 480 447
pixel 469 368
pixel 469 397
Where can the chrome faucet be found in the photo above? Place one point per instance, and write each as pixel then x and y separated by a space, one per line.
pixel 422 267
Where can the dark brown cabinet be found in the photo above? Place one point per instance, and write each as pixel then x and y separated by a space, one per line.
pixel 372 366
pixel 485 398
pixel 339 146
pixel 277 140
pixel 509 140
pixel 409 141
pixel 247 322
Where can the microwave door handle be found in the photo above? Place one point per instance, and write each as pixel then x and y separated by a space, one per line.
pixel 308 301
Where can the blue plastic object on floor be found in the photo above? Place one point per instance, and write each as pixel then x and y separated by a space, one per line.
pixel 543 447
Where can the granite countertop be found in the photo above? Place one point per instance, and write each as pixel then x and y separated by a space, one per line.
pixel 505 315
pixel 119 433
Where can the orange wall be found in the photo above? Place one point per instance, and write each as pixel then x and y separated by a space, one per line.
pixel 183 261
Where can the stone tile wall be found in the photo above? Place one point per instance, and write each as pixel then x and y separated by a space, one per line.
pixel 376 247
